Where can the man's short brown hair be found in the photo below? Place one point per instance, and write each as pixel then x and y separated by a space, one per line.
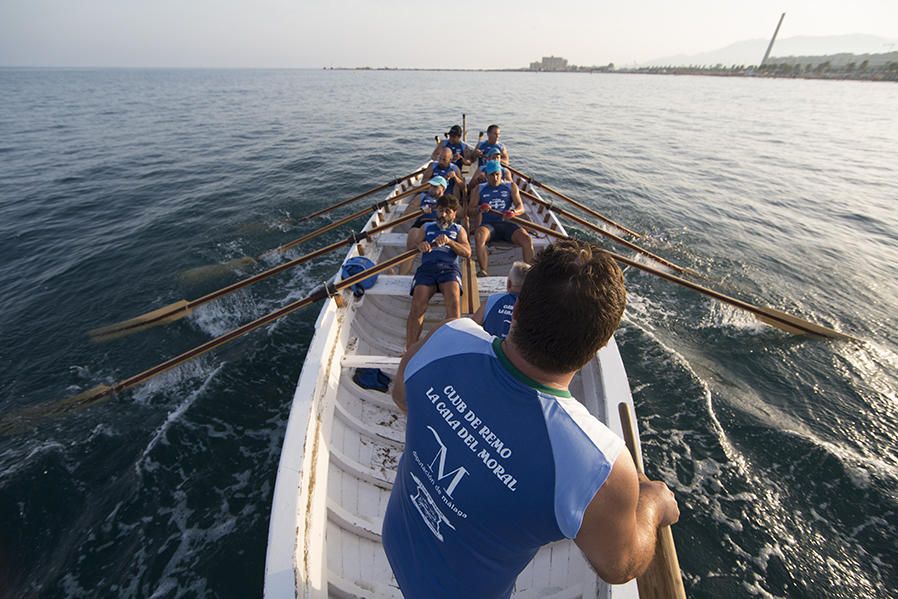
pixel 447 201
pixel 570 304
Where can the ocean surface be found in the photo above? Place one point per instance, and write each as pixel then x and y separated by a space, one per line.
pixel 113 183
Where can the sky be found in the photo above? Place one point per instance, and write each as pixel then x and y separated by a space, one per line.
pixel 350 33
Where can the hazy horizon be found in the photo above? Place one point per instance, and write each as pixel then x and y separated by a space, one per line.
pixel 349 33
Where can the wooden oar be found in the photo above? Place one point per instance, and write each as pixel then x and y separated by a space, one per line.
pixel 344 220
pixel 570 200
pixel 469 276
pixel 198 273
pixel 98 393
pixel 776 318
pixel 662 579
pixel 608 234
pixel 392 183
pixel 182 308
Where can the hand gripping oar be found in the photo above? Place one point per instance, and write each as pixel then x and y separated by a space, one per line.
pixel 392 183
pixel 214 270
pixel 182 308
pixel 776 318
pixel 578 219
pixel 323 291
pixel 662 579
pixel 582 207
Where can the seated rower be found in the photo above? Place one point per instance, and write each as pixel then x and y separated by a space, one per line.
pixel 444 241
pixel 493 154
pixel 494 315
pixel 492 141
pixel 503 197
pixel 426 201
pixel 462 153
pixel 443 167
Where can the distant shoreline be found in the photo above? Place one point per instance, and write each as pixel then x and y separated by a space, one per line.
pixel 707 72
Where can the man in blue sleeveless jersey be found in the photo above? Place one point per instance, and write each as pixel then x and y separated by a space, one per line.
pixel 492 141
pixel 443 241
pixel 494 315
pixel 462 153
pixel 426 201
pixel 479 175
pixel 443 167
pixel 499 459
pixel 486 200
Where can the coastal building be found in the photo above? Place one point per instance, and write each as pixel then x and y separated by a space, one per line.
pixel 550 63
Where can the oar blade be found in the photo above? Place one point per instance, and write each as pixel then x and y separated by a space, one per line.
pixel 25 419
pixel 215 271
pixel 160 316
pixel 792 324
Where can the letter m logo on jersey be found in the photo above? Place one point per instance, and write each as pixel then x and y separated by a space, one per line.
pixel 440 461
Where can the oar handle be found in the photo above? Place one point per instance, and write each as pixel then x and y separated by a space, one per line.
pixel 662 579
pixel 570 200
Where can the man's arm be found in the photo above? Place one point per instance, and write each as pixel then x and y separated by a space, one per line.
pixel 621 522
pixel 517 205
pixel 478 315
pixel 436 152
pixel 474 201
pixel 399 380
pixel 461 246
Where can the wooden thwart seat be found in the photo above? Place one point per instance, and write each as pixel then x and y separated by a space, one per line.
pixel 400 285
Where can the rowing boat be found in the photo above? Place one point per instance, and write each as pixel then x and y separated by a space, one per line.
pixel 343 442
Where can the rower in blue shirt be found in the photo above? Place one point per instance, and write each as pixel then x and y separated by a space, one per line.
pixel 493 154
pixel 462 153
pixel 494 315
pixel 494 202
pixel 492 141
pixel 443 242
pixel 500 459
pixel 426 201
pixel 443 167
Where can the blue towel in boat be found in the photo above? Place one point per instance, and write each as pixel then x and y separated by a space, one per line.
pixel 354 266
pixel 371 378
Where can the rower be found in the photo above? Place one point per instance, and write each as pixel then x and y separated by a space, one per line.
pixel 443 167
pixel 492 141
pixel 503 197
pixel 492 154
pixel 494 315
pixel 428 201
pixel 443 242
pixel 462 153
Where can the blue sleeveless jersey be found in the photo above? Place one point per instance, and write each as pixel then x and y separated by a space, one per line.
pixel 443 254
pixel 495 466
pixel 439 171
pixel 497 313
pixel 498 197
pixel 485 147
pixel 458 148
pixel 428 200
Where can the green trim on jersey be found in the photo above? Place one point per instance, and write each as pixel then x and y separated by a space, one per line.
pixel 512 369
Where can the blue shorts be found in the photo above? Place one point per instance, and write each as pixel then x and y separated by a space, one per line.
pixel 435 273
pixel 502 230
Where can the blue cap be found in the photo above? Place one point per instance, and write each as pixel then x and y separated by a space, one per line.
pixel 438 181
pixel 491 167
pixel 494 151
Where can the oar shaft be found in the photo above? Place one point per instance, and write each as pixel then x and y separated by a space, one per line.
pixel 601 231
pixel 316 295
pixel 339 223
pixel 662 579
pixel 363 194
pixel 571 200
pixel 303 259
pixel 783 320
